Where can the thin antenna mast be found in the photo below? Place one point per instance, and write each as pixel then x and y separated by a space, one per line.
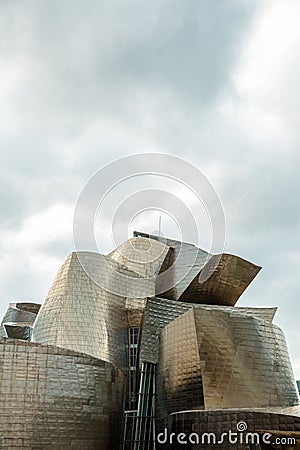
pixel 159 225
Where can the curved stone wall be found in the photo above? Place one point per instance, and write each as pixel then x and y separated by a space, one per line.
pixel 53 398
pixel 209 426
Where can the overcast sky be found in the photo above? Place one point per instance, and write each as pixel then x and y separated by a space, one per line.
pixel 216 82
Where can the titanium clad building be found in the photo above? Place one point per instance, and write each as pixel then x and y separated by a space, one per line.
pixel 131 350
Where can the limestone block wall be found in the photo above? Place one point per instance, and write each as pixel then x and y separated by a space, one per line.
pixel 53 398
pixel 279 423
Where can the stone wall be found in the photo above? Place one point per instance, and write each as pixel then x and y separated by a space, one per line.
pixel 54 398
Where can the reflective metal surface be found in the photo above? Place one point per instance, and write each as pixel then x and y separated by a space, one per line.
pixel 197 276
pixel 159 312
pixel 159 346
pixel 182 264
pixel 225 284
pixel 141 255
pixel 78 314
pixel 17 331
pixel 18 320
pixel 216 360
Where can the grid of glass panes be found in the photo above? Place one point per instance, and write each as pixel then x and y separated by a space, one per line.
pixel 133 345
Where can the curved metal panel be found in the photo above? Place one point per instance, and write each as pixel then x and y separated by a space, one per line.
pixel 142 255
pixel 226 283
pixel 242 361
pixel 18 320
pixel 159 312
pixel 80 315
pixel 18 331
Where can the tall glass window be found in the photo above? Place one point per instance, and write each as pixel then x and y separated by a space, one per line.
pixel 132 358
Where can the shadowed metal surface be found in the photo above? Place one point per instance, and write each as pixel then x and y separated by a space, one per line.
pixel 226 283
pixel 182 263
pixel 142 255
pixel 80 315
pixel 17 331
pixel 104 338
pixel 225 277
pixel 18 320
pixel 159 312
pixel 235 360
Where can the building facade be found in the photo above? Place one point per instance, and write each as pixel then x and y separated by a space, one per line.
pixel 141 349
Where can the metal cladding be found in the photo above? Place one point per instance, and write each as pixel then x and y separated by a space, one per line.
pixel 149 334
pixel 224 361
pixel 80 315
pixel 18 320
pixel 141 255
pixel 182 264
pixel 226 283
pixel 15 331
pixel 160 312
pixel 225 277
